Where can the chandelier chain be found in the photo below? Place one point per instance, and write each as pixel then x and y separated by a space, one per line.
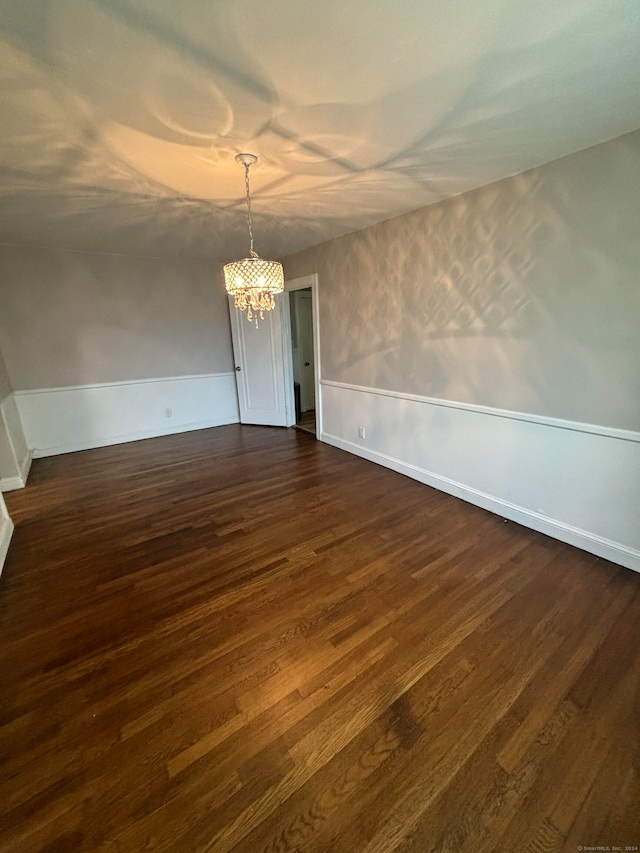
pixel 246 182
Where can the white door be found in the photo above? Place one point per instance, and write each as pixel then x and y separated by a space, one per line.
pixel 261 367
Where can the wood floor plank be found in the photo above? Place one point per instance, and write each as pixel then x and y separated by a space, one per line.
pixel 242 640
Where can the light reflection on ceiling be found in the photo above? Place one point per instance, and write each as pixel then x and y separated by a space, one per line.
pixel 121 118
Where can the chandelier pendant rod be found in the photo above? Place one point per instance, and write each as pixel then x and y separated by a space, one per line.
pixel 249 223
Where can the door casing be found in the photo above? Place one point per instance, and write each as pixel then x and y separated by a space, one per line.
pixel 300 284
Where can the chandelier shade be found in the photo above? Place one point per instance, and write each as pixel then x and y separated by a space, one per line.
pixel 253 281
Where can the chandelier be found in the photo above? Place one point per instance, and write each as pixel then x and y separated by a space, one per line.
pixel 253 281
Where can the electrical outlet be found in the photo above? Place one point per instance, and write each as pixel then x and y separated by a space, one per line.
pixel 361 432
pixel 168 412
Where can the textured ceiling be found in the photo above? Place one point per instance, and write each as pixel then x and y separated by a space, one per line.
pixel 121 118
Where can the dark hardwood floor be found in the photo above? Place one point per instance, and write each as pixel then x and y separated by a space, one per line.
pixel 242 639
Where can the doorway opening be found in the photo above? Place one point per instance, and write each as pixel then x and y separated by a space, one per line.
pixel 302 344
pixel 303 358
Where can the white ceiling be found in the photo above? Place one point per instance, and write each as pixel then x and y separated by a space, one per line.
pixel 121 118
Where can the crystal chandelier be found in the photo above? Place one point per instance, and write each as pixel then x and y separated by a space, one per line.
pixel 253 281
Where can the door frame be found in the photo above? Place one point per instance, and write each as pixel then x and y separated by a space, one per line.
pixel 302 283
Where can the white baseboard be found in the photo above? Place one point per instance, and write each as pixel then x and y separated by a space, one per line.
pixel 6 531
pixel 64 420
pixel 91 444
pixel 10 484
pixel 572 483
pixel 628 557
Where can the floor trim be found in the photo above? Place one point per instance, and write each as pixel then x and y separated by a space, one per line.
pixel 594 544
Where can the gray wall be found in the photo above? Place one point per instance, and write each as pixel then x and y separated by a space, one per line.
pixel 5 385
pixel 521 295
pixel 8 467
pixel 71 318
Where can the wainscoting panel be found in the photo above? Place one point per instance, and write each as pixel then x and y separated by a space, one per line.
pixel 576 482
pixel 6 530
pixel 61 420
pixel 15 453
